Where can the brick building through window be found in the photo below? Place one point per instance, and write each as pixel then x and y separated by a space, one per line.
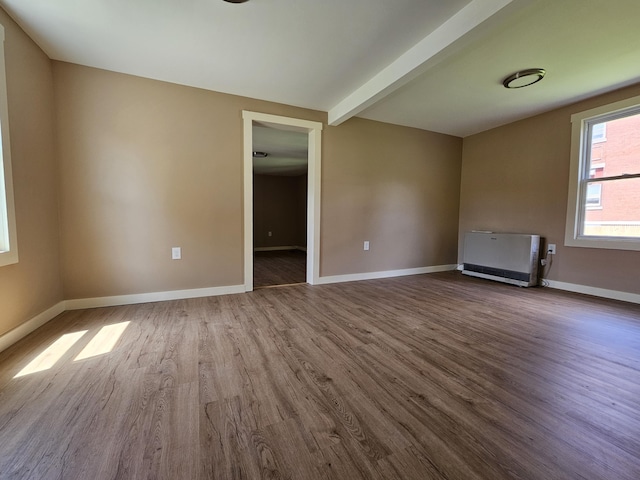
pixel 613 207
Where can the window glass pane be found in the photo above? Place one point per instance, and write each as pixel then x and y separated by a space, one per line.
pixel 4 217
pixel 612 209
pixel 598 132
pixel 594 194
pixel 615 147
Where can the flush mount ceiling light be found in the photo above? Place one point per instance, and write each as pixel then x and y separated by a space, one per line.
pixel 235 1
pixel 258 154
pixel 524 78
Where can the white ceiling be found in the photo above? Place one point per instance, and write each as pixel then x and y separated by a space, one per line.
pixel 430 64
pixel 586 46
pixel 288 151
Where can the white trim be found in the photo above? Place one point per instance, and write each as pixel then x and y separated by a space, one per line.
pixel 424 55
pixel 95 302
pixel 21 331
pixel 617 222
pixel 314 131
pixel 354 277
pixel 595 291
pixel 274 249
pixel 8 229
pixel 614 107
pixel 313 204
pixel 247 168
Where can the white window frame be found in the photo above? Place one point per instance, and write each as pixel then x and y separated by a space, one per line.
pixel 580 159
pixel 8 234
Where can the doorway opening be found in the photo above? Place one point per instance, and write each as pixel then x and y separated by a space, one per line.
pixel 277 249
pixel 280 177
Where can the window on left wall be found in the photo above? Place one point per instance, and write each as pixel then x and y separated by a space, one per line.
pixel 8 234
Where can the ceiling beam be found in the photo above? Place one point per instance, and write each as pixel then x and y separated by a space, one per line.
pixel 418 59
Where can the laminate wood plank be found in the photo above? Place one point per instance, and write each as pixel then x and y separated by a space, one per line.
pixel 115 435
pixel 291 449
pixel 328 396
pixel 438 407
pixel 428 377
pixel 226 442
pixel 181 445
pixel 383 391
pixel 410 464
pixel 524 411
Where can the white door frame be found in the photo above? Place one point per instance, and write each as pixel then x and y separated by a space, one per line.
pixel 314 130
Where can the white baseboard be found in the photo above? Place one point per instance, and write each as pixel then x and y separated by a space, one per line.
pixel 81 303
pixel 595 291
pixel 353 277
pixel 283 247
pixel 29 326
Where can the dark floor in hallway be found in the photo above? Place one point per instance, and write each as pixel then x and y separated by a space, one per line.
pixel 280 267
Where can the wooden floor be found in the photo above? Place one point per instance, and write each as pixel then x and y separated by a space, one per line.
pixel 425 377
pixel 279 267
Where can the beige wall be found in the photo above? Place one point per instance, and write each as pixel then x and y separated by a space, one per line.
pixel 398 188
pixel 146 166
pixel 514 179
pixel 279 207
pixel 32 285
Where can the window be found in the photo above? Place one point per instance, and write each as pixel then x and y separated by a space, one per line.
pixel 604 186
pixel 8 238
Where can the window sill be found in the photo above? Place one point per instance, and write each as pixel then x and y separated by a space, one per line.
pixel 610 243
pixel 8 258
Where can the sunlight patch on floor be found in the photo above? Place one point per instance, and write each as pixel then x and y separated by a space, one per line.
pixel 52 354
pixel 104 341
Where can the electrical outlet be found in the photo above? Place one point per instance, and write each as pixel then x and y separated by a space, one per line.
pixel 366 245
pixel 551 248
pixel 176 253
pixel 269 234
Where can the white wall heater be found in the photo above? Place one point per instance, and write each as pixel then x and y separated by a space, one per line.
pixel 504 257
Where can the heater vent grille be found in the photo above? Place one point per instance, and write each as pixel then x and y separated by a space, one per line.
pixel 504 257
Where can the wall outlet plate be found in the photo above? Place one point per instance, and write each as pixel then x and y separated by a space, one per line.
pixel 366 244
pixel 551 248
pixel 176 253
